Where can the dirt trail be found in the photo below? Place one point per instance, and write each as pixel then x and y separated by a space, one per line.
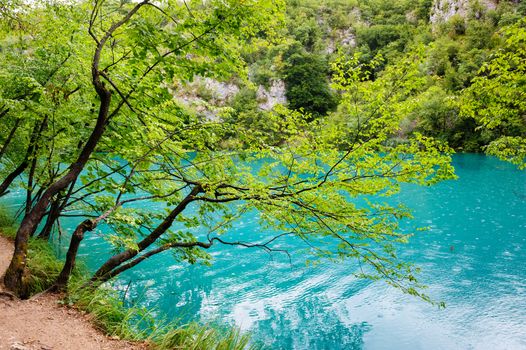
pixel 42 324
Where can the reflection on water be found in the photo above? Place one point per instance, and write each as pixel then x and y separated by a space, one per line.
pixel 473 257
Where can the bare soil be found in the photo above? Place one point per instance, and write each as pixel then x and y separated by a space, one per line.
pixel 41 323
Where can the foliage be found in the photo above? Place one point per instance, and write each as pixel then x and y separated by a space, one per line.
pixel 496 99
pixel 456 50
pixel 317 169
pixel 305 76
pixel 313 169
pixel 304 175
pixel 306 187
pixel 509 148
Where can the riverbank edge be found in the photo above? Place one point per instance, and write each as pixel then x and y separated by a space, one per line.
pixel 44 321
pixel 107 312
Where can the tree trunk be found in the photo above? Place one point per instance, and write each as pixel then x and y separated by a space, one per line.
pixel 14 276
pixel 105 270
pixel 54 212
pixel 37 129
pixel 30 184
pixel 12 176
pixel 123 267
pixel 62 281
pixel 10 137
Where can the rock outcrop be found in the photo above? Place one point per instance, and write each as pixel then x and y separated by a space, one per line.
pixel 443 10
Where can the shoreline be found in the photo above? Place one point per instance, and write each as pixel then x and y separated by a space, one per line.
pixel 42 323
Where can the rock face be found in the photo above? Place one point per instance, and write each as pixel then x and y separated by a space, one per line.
pixel 443 10
pixel 221 91
pixel 205 89
pixel 274 95
pixel 207 96
pixel 344 37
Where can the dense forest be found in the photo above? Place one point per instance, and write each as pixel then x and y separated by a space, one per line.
pixel 210 110
pixel 463 44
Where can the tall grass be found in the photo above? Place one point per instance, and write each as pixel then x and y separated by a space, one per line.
pixel 195 336
pixel 109 313
pixel 43 266
pixel 138 323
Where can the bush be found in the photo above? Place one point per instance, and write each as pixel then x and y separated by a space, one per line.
pixel 306 81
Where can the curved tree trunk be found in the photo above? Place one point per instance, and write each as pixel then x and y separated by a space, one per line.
pixel 52 217
pixel 62 280
pixel 14 277
pixel 35 134
pixel 105 271
pixel 12 176
pixel 10 137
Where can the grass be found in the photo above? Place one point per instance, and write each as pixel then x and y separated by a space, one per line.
pixel 7 224
pixel 109 313
pixel 42 261
pixel 137 323
pixel 194 336
pixel 43 265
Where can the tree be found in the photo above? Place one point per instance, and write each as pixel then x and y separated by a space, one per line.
pixel 305 76
pixel 126 74
pixel 142 144
pixel 307 187
pixel 497 97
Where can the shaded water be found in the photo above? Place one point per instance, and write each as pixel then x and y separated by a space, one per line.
pixel 473 257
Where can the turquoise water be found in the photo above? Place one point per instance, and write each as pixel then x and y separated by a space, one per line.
pixel 473 257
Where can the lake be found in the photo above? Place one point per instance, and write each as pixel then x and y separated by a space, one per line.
pixel 473 257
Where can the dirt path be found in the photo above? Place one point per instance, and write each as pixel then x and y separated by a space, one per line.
pixel 41 324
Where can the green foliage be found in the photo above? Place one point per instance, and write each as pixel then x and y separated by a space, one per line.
pixel 436 114
pixel 383 36
pixel 41 79
pixel 302 167
pixel 305 76
pixel 379 103
pixel 496 98
pixel 509 148
pixel 303 171
pixel 456 50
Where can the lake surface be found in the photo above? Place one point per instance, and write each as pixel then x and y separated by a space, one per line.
pixel 473 257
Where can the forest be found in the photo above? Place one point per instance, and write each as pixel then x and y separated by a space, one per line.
pixel 159 125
